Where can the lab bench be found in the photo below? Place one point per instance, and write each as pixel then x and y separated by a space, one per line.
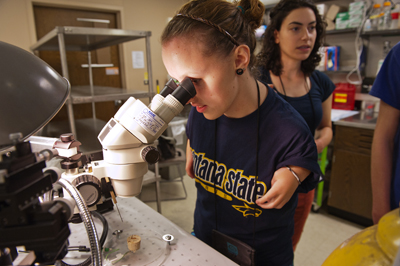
pixel 350 193
pixel 140 219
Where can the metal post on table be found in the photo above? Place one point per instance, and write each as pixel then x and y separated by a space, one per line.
pixel 158 194
pixel 91 86
pixel 64 67
pixel 149 67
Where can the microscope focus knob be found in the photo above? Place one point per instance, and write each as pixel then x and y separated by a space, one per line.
pixel 89 187
pixel 150 154
pixel 67 137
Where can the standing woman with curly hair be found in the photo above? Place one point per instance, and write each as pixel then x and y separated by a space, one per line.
pixel 248 150
pixel 287 63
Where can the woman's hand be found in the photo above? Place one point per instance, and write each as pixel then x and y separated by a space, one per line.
pixel 323 134
pixel 283 185
pixel 320 145
pixel 189 161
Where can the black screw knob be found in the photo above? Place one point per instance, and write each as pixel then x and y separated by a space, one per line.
pixel 67 137
pixel 150 154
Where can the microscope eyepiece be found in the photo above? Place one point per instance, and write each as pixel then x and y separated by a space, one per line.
pixel 169 87
pixel 185 91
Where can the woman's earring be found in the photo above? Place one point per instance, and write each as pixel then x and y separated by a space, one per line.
pixel 239 71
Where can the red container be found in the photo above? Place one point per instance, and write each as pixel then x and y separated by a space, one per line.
pixel 343 96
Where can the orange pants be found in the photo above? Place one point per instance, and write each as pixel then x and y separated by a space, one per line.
pixel 300 216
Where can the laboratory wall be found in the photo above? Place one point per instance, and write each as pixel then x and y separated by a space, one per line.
pixel 17 28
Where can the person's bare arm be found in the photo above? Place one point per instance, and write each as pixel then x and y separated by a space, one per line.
pixel 283 185
pixel 189 160
pixel 382 159
pixel 324 130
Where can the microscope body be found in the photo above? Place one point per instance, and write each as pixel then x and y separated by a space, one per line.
pixel 128 142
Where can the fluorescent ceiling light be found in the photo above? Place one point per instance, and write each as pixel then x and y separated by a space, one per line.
pixel 269 2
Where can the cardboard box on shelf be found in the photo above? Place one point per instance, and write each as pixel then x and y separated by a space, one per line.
pixel 341 24
pixel 342 20
pixel 322 64
pixel 354 23
pixel 330 24
pixel 356 14
pixel 343 16
pixel 355 6
pixel 333 11
pixel 322 9
pixel 332 56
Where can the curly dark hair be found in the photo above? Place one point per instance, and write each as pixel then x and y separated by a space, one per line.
pixel 270 56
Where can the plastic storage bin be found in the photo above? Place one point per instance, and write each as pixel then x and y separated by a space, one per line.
pixel 344 96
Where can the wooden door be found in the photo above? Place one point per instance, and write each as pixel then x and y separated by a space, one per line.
pixel 46 19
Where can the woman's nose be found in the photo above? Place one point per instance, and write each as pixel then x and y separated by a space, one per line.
pixel 190 100
pixel 306 34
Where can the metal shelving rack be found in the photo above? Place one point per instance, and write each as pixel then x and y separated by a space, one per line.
pixel 66 38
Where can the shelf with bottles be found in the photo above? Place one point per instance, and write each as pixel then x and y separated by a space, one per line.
pixel 383 20
pixel 341 70
pixel 341 31
pixel 394 32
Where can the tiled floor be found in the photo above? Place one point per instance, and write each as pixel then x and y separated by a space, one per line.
pixel 322 234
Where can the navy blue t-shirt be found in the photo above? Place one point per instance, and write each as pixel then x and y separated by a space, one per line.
pixel 321 88
pixel 284 140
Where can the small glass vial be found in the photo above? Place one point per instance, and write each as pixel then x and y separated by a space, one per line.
pixel 376 13
pixel 395 17
pixel 386 20
pixel 367 25
pixel 386 48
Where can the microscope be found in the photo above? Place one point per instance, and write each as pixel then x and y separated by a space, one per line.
pixel 128 142
pixel 29 215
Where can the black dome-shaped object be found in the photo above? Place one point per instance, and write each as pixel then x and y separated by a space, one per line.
pixel 31 93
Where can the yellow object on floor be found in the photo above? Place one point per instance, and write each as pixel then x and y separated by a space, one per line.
pixel 375 245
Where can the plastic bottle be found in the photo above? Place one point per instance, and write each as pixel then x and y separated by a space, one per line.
pixel 376 12
pixel 386 19
pixel 386 48
pixel 367 25
pixel 395 17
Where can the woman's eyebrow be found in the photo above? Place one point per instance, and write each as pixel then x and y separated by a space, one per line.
pixel 299 23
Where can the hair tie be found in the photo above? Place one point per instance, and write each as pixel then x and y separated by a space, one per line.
pixel 241 8
pixel 209 23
